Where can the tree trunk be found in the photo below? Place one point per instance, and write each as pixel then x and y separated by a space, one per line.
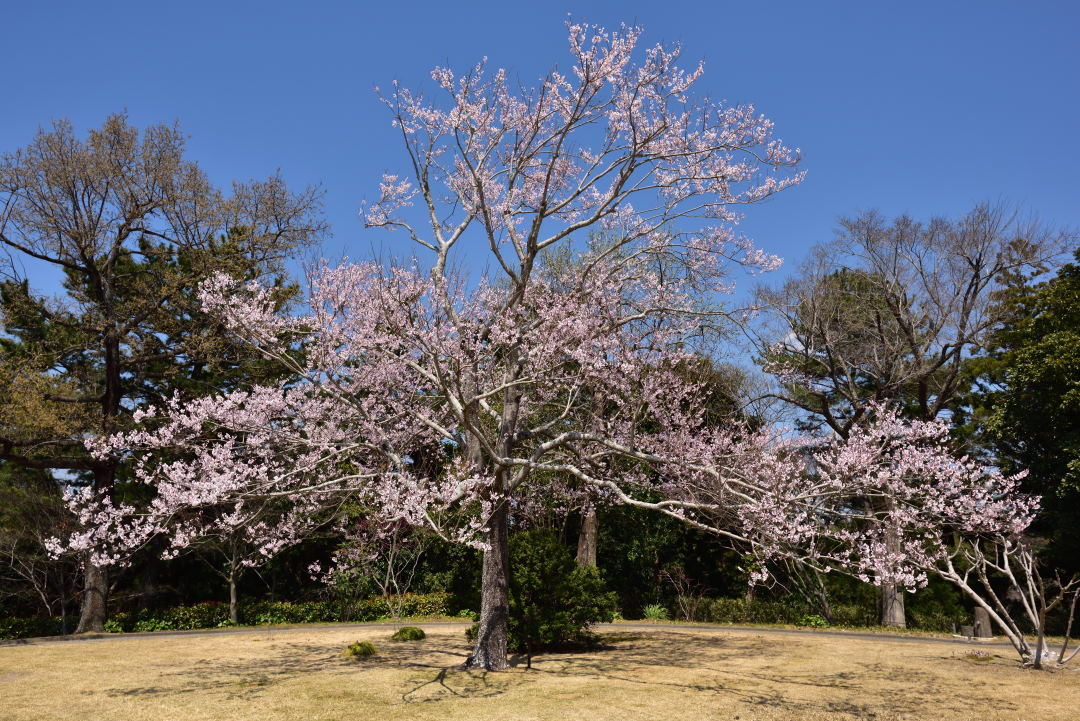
pixel 491 637
pixel 892 594
pixel 95 593
pixel 587 536
pixel 96 580
pixel 234 615
pixel 892 606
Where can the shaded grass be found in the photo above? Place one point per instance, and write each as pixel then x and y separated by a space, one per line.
pixel 659 673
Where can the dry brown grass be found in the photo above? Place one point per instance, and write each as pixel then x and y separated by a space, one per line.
pixel 666 673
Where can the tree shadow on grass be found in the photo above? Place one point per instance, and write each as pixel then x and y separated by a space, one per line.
pixel 631 659
pixel 717 666
pixel 247 678
pixel 755 671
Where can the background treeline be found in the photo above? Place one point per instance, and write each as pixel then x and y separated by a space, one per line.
pixel 975 319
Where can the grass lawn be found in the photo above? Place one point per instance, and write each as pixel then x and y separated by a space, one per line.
pixel 662 673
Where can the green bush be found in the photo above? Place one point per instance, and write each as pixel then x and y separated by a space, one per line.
pixel 740 610
pixel 30 627
pixel 655 612
pixel 553 601
pixel 360 649
pixel 214 614
pixel 813 620
pixel 852 614
pixel 940 620
pixel 793 610
pixel 409 633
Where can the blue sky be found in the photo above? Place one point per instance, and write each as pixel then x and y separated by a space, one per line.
pixel 918 107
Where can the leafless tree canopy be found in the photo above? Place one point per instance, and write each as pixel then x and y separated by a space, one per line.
pixel 889 309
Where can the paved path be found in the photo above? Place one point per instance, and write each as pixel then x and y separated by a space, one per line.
pixel 877 637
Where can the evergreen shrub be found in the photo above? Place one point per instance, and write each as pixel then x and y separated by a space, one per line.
pixel 409 633
pixel 553 601
pixel 360 649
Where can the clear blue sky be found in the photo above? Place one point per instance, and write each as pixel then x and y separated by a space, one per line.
pixel 918 107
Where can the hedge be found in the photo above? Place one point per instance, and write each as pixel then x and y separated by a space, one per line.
pixel 794 611
pixel 31 627
pixel 213 614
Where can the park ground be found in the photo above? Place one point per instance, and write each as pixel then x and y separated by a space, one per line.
pixel 664 672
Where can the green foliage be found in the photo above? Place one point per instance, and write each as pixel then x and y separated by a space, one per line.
pixel 790 610
pixel 934 613
pixel 931 609
pixel 553 601
pixel 360 649
pixel 812 620
pixel 938 607
pixel 856 615
pixel 655 612
pixel 267 613
pixel 636 545
pixel 409 633
pixel 29 627
pixel 839 322
pixel 32 508
pixel 1026 404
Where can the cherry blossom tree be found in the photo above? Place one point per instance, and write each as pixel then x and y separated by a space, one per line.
pixel 502 370
pixel 443 401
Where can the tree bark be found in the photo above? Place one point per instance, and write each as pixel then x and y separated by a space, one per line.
pixel 95 594
pixel 892 606
pixel 587 538
pixel 892 594
pixel 491 637
pixel 92 614
pixel 234 615
pixel 96 579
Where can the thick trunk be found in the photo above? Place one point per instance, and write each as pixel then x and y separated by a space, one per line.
pixel 892 606
pixel 491 637
pixel 586 544
pixel 95 594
